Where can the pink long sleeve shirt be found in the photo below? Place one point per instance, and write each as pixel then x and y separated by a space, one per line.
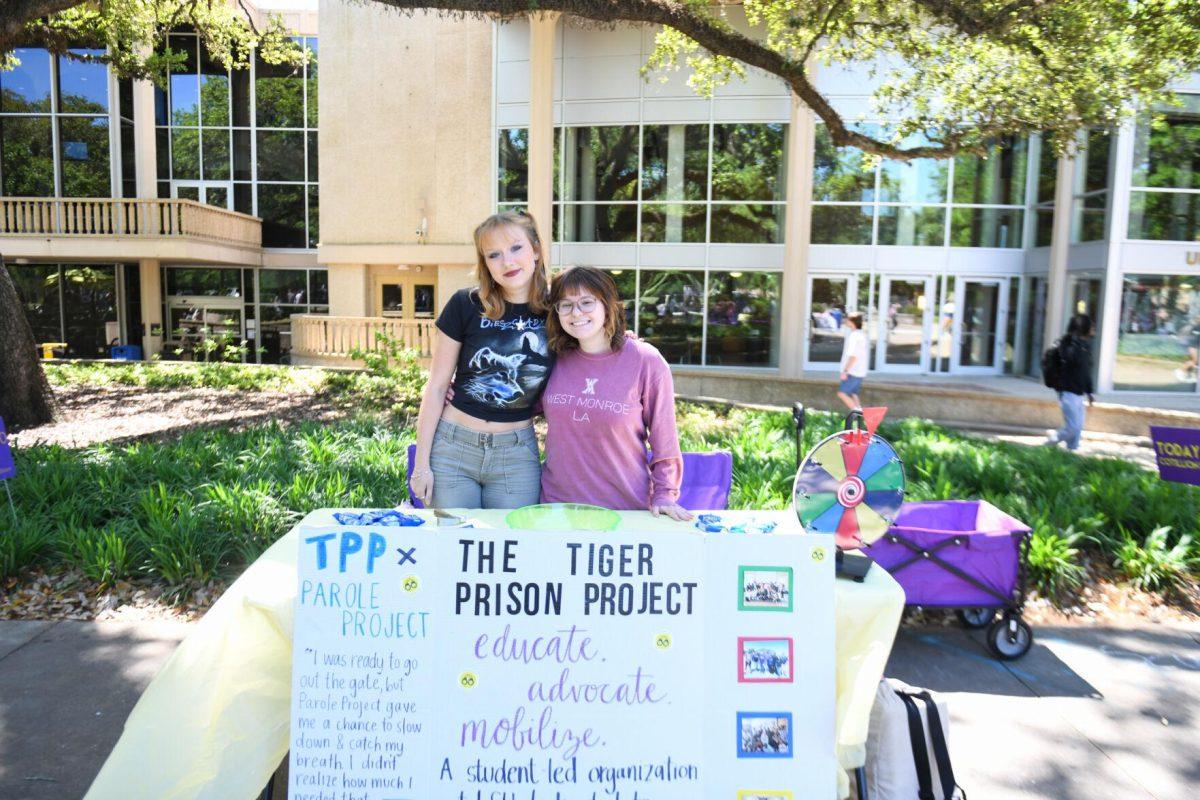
pixel 601 413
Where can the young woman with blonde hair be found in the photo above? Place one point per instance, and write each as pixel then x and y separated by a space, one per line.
pixel 479 451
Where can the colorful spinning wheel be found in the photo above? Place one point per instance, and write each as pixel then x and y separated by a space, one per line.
pixel 851 484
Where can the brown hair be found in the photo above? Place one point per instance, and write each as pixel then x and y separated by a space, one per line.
pixel 490 293
pixel 856 320
pixel 598 283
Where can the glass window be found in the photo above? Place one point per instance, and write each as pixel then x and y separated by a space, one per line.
pixel 743 319
pixel 281 207
pixel 1160 333
pixel 26 156
pixel 1167 150
pixel 243 198
pixel 838 172
pixel 921 180
pixel 83 85
pixel 1164 216
pixel 241 155
pixel 626 280
pixel 748 224
pixel 240 97
pixel 128 161
pixel 601 163
pixel 1043 227
pixel 670 313
pixel 912 226
pixel 842 224
pixel 90 298
pixel 1096 160
pixel 986 227
pixel 1047 173
pixel 997 179
pixel 393 299
pixel 278 95
pixel 513 165
pixel 26 87
pixel 674 162
pixel 185 153
pixel 318 283
pixel 280 155
pixel 1091 215
pixel 599 223
pixel 185 83
pixel 825 332
pixel 314 216
pixel 84 150
pixel 216 154
pixel 289 286
pixel 749 162
pixel 1035 322
pixel 204 282
pixel 37 288
pixel 312 157
pixel 214 91
pixel 675 222
pixel 311 80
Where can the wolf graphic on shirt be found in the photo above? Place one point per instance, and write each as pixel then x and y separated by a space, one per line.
pixel 503 378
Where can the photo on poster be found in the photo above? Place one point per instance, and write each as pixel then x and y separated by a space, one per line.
pixel 765 659
pixel 759 794
pixel 764 734
pixel 764 588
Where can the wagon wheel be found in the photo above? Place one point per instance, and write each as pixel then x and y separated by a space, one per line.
pixel 976 618
pixel 851 484
pixel 1009 637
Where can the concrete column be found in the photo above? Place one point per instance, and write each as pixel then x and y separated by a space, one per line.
pixel 145 150
pixel 793 306
pixel 676 167
pixel 1109 322
pixel 350 291
pixel 150 278
pixel 542 29
pixel 1060 245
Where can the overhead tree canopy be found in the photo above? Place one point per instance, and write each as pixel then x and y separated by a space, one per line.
pixel 964 72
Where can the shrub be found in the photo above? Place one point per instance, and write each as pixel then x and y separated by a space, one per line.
pixel 1052 561
pixel 1156 565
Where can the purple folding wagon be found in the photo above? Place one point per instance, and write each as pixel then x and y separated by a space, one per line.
pixel 966 555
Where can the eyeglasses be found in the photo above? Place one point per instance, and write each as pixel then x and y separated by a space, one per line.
pixel 586 305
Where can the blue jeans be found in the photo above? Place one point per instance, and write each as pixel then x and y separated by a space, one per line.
pixel 484 470
pixel 1072 410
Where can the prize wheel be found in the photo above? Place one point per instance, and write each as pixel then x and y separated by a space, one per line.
pixel 851 484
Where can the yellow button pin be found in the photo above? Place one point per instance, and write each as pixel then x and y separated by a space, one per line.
pixel 411 583
pixel 818 554
pixel 467 680
pixel 662 641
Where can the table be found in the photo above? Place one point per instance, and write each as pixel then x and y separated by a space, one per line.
pixel 214 722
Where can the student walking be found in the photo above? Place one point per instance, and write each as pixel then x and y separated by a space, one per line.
pixel 1074 356
pixel 854 363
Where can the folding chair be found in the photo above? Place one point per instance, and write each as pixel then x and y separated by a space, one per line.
pixel 707 479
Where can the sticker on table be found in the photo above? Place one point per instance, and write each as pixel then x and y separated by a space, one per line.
pixel 764 734
pixel 759 794
pixel 764 588
pixel 765 659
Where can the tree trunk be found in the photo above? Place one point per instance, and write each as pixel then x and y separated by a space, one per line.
pixel 25 398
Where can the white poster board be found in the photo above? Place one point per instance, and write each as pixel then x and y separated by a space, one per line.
pixel 510 665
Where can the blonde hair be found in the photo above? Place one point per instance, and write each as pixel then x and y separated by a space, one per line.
pixel 490 293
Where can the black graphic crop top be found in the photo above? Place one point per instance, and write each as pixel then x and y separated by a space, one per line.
pixel 503 364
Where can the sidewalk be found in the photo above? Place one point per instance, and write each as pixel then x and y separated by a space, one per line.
pixel 1089 714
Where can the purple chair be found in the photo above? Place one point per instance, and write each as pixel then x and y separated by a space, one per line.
pixel 707 479
pixel 412 457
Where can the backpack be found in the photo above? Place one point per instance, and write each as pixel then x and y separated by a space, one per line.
pixel 907 753
pixel 1054 365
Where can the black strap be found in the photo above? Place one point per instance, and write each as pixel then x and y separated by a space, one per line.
pixel 941 753
pixel 916 735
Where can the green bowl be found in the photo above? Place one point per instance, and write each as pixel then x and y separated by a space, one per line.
pixel 563 517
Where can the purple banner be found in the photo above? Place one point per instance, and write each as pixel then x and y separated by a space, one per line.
pixel 7 468
pixel 1178 453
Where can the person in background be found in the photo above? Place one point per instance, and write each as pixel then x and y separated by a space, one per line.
pixel 854 363
pixel 1075 354
pixel 608 398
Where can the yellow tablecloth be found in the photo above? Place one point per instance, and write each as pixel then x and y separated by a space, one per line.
pixel 214 723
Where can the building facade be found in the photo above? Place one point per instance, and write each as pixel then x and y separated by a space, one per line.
pixel 739 236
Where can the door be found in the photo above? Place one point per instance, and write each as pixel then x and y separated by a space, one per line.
pixel 904 321
pixel 410 294
pixel 980 318
pixel 213 193
pixel 829 302
pixel 205 329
